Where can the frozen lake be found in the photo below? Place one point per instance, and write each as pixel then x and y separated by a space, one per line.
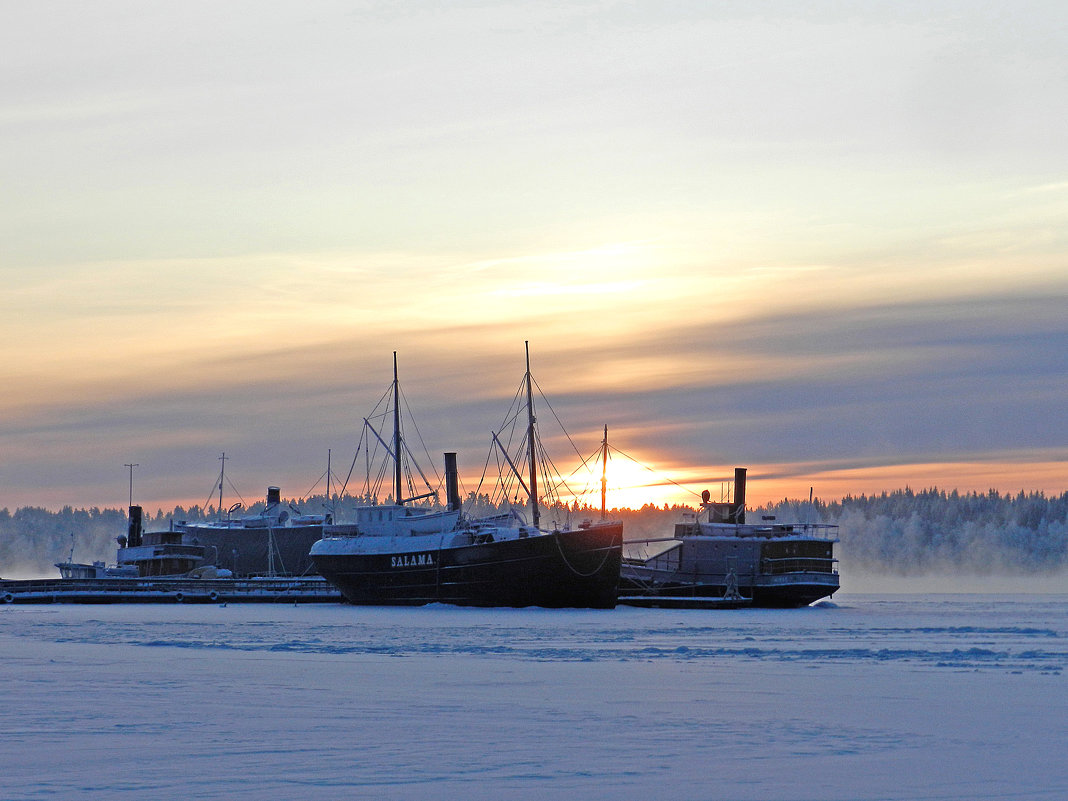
pixel 871 697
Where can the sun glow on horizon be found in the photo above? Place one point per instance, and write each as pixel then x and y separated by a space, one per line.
pixel 629 484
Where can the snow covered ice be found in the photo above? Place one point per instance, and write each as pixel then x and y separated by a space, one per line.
pixel 869 697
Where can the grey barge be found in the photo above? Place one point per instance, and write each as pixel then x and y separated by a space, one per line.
pixel 716 559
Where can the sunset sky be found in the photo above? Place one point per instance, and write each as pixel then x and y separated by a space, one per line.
pixel 825 241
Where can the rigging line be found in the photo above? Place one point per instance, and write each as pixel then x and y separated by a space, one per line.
pixel 381 441
pixel 511 465
pixel 584 464
pixel 214 487
pixel 512 412
pixel 507 486
pixel 411 485
pixel 319 481
pixel 588 487
pixel 463 489
pixel 558 482
pixel 406 464
pixel 485 469
pixel 506 483
pixel 612 448
pixel 422 475
pixel 558 421
pixel 375 488
pixel 211 494
pixel 511 416
pixel 551 474
pixel 383 468
pixel 503 480
pixel 543 463
pixel 238 494
pixel 275 553
pixel 591 488
pixel 419 436
pixel 511 424
pixel 307 494
pixel 352 467
pixel 504 476
pixel 372 487
pixel 382 400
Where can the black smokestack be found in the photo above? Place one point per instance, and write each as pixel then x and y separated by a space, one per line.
pixel 274 496
pixel 133 533
pixel 452 482
pixel 739 495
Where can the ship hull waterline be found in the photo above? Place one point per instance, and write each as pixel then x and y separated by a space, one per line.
pixel 577 568
pixel 791 596
pixel 783 591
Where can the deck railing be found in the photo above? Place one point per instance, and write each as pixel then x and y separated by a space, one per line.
pixel 797 564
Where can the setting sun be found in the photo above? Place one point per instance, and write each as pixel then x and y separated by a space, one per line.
pixel 629 483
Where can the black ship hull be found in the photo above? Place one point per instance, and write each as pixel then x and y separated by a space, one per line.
pixel 578 568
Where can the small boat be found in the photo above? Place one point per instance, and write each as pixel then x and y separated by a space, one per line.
pixel 716 559
pixel 95 570
pixel 157 553
pixel 403 554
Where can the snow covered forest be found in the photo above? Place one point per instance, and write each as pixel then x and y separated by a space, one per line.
pixel 910 533
pixel 903 533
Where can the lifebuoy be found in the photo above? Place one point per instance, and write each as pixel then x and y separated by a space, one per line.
pixel 179 597
pixel 214 596
pixel 8 597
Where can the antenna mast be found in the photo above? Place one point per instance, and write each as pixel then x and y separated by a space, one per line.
pixel 132 466
pixel 222 475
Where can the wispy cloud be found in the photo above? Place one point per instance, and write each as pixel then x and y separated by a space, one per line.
pixel 216 229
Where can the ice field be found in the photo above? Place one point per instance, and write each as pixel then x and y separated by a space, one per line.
pixel 868 697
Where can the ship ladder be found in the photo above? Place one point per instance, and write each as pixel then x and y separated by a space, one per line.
pixel 731 592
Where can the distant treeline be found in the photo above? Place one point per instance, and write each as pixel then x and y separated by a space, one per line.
pixel 910 533
pixel 902 533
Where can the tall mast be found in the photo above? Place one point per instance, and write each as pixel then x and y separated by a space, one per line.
pixel 396 435
pixel 535 515
pixel 604 470
pixel 222 475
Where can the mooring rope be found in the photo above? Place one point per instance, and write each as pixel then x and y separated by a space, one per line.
pixel 559 547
